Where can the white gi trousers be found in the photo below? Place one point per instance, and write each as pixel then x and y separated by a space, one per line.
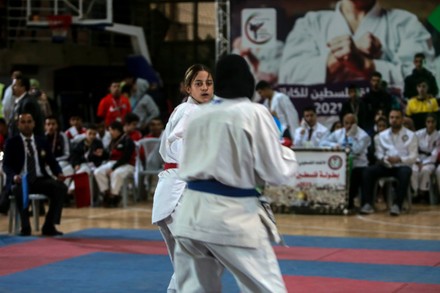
pixel 116 180
pixel 166 199
pixel 254 269
pixel 421 179
pixel 214 232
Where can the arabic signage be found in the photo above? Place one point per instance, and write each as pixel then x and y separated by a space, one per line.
pixel 319 186
pixel 303 45
pixel 327 99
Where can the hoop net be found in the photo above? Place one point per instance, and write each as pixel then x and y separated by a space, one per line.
pixel 59 24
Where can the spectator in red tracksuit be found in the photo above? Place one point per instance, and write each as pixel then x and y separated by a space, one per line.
pixel 114 106
pixel 111 175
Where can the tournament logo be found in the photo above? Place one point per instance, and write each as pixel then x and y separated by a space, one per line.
pixel 335 162
pixel 255 30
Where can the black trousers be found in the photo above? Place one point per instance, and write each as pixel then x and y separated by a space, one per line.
pixel 55 190
pixel 355 184
pixel 374 173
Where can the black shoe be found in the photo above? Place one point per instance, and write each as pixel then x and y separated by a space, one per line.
pixel 50 231
pixel 25 231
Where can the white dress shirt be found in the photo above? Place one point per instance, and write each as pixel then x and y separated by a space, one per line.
pixel 319 133
pixel 37 162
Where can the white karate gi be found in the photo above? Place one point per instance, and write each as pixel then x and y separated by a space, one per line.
pixel 318 134
pixel 116 179
pixel 236 143
pixel 401 34
pixel 285 111
pixel 403 144
pixel 170 187
pixel 428 143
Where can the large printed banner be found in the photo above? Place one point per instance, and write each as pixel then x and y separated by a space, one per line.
pixel 319 186
pixel 310 45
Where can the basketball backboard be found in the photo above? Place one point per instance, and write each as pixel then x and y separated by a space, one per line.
pixel 83 12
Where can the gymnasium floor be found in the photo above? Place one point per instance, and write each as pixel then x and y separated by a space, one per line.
pixel 118 250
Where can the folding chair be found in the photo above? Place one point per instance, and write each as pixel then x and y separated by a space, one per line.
pixel 148 162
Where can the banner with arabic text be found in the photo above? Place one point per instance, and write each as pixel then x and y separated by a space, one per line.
pixel 320 186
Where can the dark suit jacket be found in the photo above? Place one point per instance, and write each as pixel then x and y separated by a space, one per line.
pixel 28 104
pixel 14 158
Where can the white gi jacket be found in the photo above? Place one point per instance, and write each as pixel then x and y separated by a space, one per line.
pixel 360 141
pixel 235 142
pixel 319 133
pixel 285 111
pixel 428 146
pixel 403 144
pixel 170 187
pixel 304 59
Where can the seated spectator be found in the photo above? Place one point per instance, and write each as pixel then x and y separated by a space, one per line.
pixel 122 156
pixel 310 133
pixel 29 153
pixel 76 128
pixel 87 154
pixel 419 72
pixel 130 125
pixel 142 104
pixel 103 135
pixel 421 104
pixel 428 139
pixel 155 128
pixel 396 152
pixel 354 105
pixel 357 140
pixel 59 144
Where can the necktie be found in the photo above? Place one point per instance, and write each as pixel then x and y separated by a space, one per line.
pixel 310 133
pixel 30 156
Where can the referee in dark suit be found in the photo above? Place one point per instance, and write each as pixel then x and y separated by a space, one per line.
pixel 29 153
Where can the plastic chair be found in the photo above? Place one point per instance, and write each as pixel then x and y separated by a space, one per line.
pixel 389 192
pixel 14 215
pixel 148 162
pixel 34 198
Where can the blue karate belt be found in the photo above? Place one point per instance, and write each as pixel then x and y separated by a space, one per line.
pixel 216 187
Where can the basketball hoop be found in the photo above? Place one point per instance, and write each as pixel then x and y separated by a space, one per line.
pixel 59 24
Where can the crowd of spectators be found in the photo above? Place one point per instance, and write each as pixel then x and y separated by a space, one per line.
pixel 388 136
pixel 107 150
